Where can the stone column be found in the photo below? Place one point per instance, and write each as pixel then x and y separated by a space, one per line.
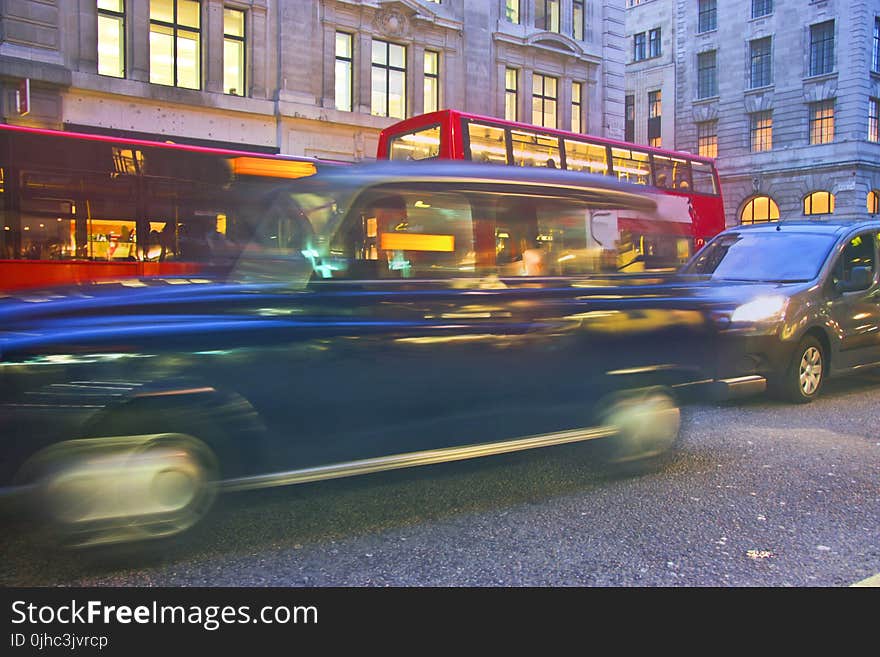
pixel 261 41
pixel 138 31
pixel 363 73
pixel 212 46
pixel 328 83
pixel 86 50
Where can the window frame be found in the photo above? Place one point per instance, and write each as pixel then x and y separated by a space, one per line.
pixel 761 131
pixel 707 87
pixel 707 16
pixel 819 123
pixel 761 8
pixel 640 46
pixel 548 19
pixel 387 67
pixel 434 79
pixel 707 135
pixel 544 98
pixel 810 199
pixel 120 17
pixel 655 43
pixel 875 52
pixel 512 11
pixel 760 63
pixel 772 209
pixel 874 120
pixel 238 39
pixel 655 117
pixel 348 62
pixel 511 93
pixel 577 99
pixel 578 24
pixel 629 117
pixel 821 51
pixel 176 28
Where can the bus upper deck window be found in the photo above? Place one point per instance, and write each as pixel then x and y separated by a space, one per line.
pixel 418 145
pixel 703 178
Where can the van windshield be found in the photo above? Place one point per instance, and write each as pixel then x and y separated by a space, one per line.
pixel 777 257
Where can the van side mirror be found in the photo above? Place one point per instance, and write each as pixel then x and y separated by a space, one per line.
pixel 860 278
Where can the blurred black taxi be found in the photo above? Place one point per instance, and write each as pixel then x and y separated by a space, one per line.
pixel 380 317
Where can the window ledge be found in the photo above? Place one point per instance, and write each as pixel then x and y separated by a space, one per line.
pixel 820 78
pixel 761 90
pixel 707 99
pixel 712 31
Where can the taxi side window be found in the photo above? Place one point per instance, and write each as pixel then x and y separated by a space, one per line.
pixel 861 251
pixel 408 234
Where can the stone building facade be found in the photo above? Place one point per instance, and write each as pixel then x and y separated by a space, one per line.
pixel 650 73
pixel 161 68
pixel 785 93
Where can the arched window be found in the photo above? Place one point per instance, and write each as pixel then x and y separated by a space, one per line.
pixel 819 203
pixel 873 202
pixel 759 209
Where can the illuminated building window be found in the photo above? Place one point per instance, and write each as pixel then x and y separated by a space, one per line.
pixel 577 19
pixel 111 38
pixel 873 120
pixel 576 106
pixel 822 122
pixel 511 11
pixel 544 100
pixel 822 48
pixel 233 52
pixel 388 79
pixel 758 210
pixel 432 81
pixel 761 131
pixel 874 202
pixel 344 67
pixel 175 43
pixel 511 94
pixel 707 138
pixel 547 15
pixel 655 112
pixel 819 203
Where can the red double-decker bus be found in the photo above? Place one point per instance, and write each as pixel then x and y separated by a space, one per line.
pixel 686 188
pixel 79 208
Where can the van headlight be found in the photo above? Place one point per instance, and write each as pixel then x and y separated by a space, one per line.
pixel 761 309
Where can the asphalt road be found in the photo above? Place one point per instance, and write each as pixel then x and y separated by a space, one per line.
pixel 756 493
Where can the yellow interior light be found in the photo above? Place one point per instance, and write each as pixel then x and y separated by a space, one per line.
pixel 417 242
pixel 258 166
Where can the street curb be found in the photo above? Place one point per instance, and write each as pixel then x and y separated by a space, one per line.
pixel 873 581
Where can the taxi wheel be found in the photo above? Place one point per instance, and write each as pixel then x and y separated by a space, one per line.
pixel 647 422
pixel 805 376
